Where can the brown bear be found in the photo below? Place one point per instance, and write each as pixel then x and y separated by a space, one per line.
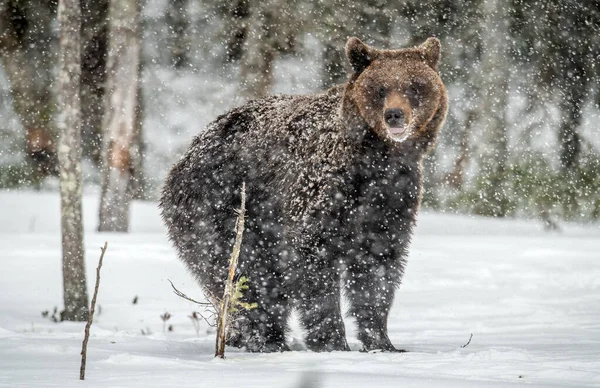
pixel 333 188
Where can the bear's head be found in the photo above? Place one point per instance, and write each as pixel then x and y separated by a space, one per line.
pixel 397 93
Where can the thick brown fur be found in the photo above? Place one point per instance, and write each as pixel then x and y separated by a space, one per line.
pixel 333 188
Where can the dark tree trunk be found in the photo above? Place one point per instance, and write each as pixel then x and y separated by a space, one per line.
pixel 138 180
pixel 94 44
pixel 456 178
pixel 69 126
pixel 334 69
pixel 121 141
pixel 177 23
pixel 571 115
pixel 236 18
pixel 375 19
pixel 570 144
pixel 372 21
pixel 27 53
pixel 256 69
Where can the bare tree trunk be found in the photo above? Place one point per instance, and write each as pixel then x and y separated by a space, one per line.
pixel 257 32
pixel 376 20
pixel 456 178
pixel 493 152
pixel 138 182
pixel 571 107
pixel 94 44
pixel 236 17
pixel 256 70
pixel 120 116
pixel 69 125
pixel 27 55
pixel 177 21
pixel 334 71
pixel 333 31
pixel 341 19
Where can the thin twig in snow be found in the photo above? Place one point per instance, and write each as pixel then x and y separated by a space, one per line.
pixel 468 342
pixel 206 305
pixel 91 316
pixel 184 296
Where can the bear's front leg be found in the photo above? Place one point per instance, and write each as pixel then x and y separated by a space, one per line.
pixel 318 295
pixel 370 285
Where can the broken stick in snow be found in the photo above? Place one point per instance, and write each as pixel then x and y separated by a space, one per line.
pixel 91 316
pixel 468 342
pixel 229 287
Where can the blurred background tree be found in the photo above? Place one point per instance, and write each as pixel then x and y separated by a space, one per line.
pixel 521 138
pixel 28 46
pixel 121 150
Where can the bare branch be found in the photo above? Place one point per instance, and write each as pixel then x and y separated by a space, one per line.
pixel 184 296
pixel 91 316
pixel 208 306
pixel 209 323
pixel 468 342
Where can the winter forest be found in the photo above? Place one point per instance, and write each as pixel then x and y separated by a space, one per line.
pixel 519 139
pixel 100 98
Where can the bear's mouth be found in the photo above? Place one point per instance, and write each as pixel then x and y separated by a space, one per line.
pixel 398 133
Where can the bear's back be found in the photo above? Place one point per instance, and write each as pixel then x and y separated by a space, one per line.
pixel 270 137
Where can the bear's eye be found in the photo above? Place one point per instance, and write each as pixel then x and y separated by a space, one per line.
pixel 413 90
pixel 413 93
pixel 381 91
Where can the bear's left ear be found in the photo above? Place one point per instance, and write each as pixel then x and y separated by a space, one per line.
pixel 359 54
pixel 431 52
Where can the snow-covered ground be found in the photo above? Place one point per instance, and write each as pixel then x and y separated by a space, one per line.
pixel 530 298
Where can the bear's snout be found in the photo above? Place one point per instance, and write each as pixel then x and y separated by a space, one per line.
pixel 394 117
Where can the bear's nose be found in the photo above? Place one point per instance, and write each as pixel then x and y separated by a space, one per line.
pixel 394 117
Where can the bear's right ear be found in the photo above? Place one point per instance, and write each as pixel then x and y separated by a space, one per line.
pixel 359 54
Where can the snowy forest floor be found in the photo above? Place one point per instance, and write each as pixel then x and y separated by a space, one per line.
pixel 530 298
